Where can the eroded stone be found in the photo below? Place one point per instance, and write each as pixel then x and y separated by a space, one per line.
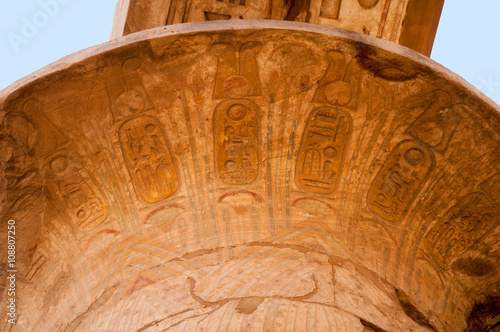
pixel 265 175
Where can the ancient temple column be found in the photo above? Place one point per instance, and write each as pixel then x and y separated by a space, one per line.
pixel 253 175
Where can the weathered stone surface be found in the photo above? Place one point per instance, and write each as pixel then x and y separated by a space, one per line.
pixel 251 175
pixel 411 23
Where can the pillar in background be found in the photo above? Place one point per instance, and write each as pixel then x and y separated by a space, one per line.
pixel 411 23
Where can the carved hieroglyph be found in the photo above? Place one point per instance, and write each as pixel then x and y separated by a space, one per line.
pixel 406 22
pixel 226 176
pixel 237 134
pixel 321 154
pixel 469 220
pixel 148 158
pixel 237 72
pixel 73 187
pixel 400 179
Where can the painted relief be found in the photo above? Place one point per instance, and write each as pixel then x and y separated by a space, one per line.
pixel 466 222
pixel 340 84
pixel 437 125
pixel 330 8
pixel 236 124
pixel 149 162
pixel 399 180
pixel 211 193
pixel 125 89
pixel 239 218
pixel 47 137
pixel 237 70
pixel 321 154
pixel 75 190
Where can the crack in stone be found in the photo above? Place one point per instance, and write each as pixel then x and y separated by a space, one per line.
pixel 192 284
pixel 156 322
pixel 179 322
pixel 99 302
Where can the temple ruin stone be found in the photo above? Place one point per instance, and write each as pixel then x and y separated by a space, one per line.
pixel 253 175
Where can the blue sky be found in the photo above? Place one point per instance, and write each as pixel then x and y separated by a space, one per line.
pixel 467 42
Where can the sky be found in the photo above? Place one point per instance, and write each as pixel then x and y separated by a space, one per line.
pixel 35 33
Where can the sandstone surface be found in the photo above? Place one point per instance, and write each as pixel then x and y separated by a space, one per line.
pixel 251 176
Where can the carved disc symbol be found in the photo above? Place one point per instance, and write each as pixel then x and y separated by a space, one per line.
pixel 236 87
pixel 231 165
pixel 150 128
pixel 381 198
pixel 59 164
pixel 338 93
pixel 330 152
pixel 430 134
pixel 130 102
pixel 415 157
pixel 237 112
pixel 368 3
pixel 81 214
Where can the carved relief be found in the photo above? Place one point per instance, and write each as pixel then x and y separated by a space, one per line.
pixel 71 185
pixel 459 150
pixel 147 155
pixel 492 188
pixel 330 8
pixel 466 222
pixel 165 216
pixel 437 125
pixel 400 179
pixel 38 263
pixel 236 124
pixel 292 59
pixel 182 11
pixel 340 84
pixel 237 70
pixel 254 249
pixel 47 137
pixel 321 154
pixel 210 16
pixel 100 241
pixel 429 274
pixel 126 92
pixel 19 128
pixel 370 19
pixel 178 11
pixel 368 3
pixel 241 210
pixel 16 147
